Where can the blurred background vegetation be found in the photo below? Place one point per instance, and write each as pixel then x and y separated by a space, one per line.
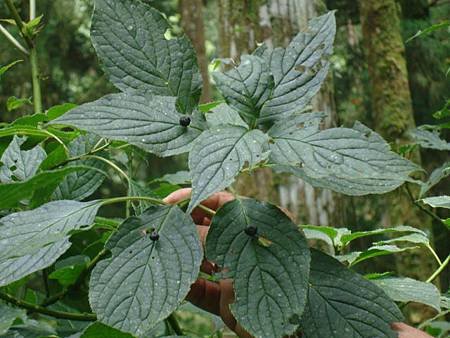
pixel 376 78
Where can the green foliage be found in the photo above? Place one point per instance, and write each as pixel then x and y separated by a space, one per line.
pixel 134 272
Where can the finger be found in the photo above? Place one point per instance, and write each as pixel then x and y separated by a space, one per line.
pixel 226 298
pixel 205 295
pixel 406 331
pixel 178 196
pixel 202 231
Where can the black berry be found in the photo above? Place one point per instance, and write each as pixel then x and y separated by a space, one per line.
pixel 251 231
pixel 185 121
pixel 154 236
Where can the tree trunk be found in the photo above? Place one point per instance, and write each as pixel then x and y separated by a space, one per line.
pixel 393 115
pixel 276 22
pixel 193 25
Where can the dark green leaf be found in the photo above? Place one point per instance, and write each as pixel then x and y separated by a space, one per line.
pixel 149 122
pixel 429 30
pixel 300 69
pixel 409 290
pixel 342 303
pixel 129 38
pixel 219 154
pixel 68 270
pixel 444 112
pixel 33 240
pixel 351 161
pixel 145 281
pixel 19 165
pixel 178 178
pixel 99 330
pixel 270 281
pixel 81 184
pixel 356 257
pixel 247 87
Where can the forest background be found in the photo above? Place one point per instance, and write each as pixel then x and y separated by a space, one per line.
pixel 379 77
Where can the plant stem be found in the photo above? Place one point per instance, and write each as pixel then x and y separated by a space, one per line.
pixel 13 40
pixel 424 209
pixel 37 97
pixel 132 198
pixel 439 270
pixel 56 314
pixel 434 254
pixel 110 163
pixel 32 9
pixel 174 324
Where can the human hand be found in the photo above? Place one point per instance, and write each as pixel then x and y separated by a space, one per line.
pixel 210 296
pixel 217 297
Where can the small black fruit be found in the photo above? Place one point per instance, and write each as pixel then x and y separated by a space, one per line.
pixel 251 231
pixel 185 121
pixel 154 236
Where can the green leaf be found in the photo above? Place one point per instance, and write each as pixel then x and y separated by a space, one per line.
pixel 350 161
pixel 7 317
pixel 68 270
pixel 14 103
pixel 129 39
pixel 270 281
pixel 33 240
pixel 33 27
pixel 438 201
pixel 429 30
pixel 99 330
pixel 218 156
pixel 374 251
pixel 436 176
pixel 429 139
pixel 83 183
pixel 247 87
pixel 30 120
pixel 19 165
pixel 415 238
pixel 179 178
pixel 148 122
pixel 444 112
pixel 300 69
pixel 12 194
pixel 145 281
pixel 224 115
pixel 409 290
pixel 342 303
pixel 206 107
pixel 5 68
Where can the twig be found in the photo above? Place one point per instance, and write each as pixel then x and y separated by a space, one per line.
pixel 13 40
pixel 174 325
pixel 39 309
pixel 439 270
pixel 421 207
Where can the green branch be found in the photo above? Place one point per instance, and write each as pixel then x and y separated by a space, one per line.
pixel 172 320
pixel 439 270
pixel 90 317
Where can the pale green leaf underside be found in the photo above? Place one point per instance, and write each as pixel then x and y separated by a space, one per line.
pixel 148 122
pixel 436 176
pixel 300 69
pixel 145 281
pixel 219 154
pixel 17 164
pixel 351 161
pixel 270 282
pixel 32 240
pixel 409 290
pixel 246 87
pixel 438 201
pixel 81 184
pixel 429 139
pixel 7 317
pixel 224 115
pixel 128 37
pixel 342 303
